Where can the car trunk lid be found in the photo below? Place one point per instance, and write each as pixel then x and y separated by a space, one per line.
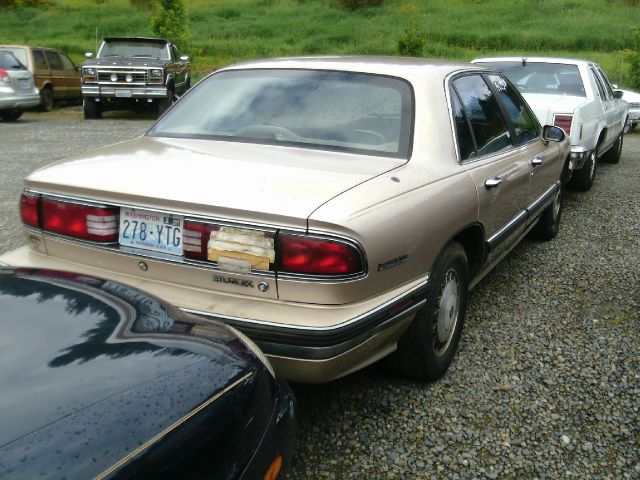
pixel 247 182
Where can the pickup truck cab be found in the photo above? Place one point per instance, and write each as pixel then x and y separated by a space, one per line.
pixel 576 96
pixel 133 72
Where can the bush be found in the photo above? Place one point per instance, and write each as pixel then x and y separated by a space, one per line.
pixel 411 43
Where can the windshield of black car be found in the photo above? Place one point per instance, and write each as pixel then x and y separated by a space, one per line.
pixel 127 48
pixel 9 62
pixel 356 112
pixel 541 77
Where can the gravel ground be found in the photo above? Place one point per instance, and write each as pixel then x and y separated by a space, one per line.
pixel 546 381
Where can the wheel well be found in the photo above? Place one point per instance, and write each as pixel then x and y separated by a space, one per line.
pixel 472 240
pixel 47 86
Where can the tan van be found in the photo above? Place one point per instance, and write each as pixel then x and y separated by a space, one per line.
pixel 55 75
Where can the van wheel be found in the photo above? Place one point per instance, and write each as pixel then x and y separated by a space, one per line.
pixel 583 179
pixel 91 109
pixel 46 99
pixel 614 153
pixel 549 222
pixel 427 348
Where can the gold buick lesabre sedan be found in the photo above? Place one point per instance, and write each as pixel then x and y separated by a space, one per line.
pixel 336 210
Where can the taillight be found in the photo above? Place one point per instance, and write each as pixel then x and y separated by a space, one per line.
pixel 563 122
pixel 4 76
pixel 29 209
pixel 312 256
pixel 80 221
pixel 195 237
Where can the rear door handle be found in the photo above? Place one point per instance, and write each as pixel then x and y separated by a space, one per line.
pixel 537 162
pixel 492 183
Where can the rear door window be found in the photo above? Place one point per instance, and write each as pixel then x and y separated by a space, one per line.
pixel 66 61
pixel 39 60
pixel 54 60
pixel 481 106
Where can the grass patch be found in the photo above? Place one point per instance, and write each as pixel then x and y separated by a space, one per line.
pixel 227 31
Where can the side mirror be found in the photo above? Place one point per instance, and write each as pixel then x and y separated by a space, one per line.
pixel 554 134
pixel 615 87
pixel 184 58
pixel 617 94
pixel 88 55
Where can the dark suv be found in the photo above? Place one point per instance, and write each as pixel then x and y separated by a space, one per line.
pixel 132 72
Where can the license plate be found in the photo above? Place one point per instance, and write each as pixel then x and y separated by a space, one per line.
pixel 634 116
pixel 123 93
pixel 151 230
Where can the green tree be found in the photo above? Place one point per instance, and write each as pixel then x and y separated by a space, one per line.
pixel 171 23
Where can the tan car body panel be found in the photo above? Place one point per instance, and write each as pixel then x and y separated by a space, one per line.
pixel 347 196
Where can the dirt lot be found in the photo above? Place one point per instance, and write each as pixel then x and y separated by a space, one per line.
pixel 546 383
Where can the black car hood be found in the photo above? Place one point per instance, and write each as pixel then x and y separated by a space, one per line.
pixel 79 355
pixel 125 62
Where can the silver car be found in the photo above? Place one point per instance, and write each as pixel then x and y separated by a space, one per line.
pixel 17 90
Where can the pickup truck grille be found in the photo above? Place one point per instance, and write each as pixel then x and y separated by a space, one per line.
pixel 118 76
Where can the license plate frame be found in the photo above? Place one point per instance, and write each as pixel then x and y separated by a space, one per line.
pixel 151 230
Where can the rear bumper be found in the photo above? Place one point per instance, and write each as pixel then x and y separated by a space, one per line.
pixel 304 342
pixel 10 101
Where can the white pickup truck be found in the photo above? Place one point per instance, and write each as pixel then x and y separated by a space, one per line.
pixel 576 96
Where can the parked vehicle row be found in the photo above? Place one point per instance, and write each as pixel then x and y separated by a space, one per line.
pixel 55 75
pixel 333 210
pixel 336 210
pixel 127 73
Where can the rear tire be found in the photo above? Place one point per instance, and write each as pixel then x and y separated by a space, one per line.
pixel 549 222
pixel 427 348
pixel 91 109
pixel 46 99
pixel 10 115
pixel 583 179
pixel 614 153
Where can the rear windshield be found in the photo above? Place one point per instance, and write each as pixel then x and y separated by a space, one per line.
pixel 19 52
pixel 540 77
pixel 356 112
pixel 9 62
pixel 131 49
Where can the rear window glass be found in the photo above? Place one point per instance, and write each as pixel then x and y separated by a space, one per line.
pixel 18 52
pixel 9 62
pixel 541 77
pixel 358 112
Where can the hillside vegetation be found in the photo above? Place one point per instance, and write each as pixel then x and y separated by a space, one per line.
pixel 226 31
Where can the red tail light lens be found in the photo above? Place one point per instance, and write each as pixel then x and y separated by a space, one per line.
pixel 29 209
pixel 4 76
pixel 80 221
pixel 195 237
pixel 297 254
pixel 563 122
